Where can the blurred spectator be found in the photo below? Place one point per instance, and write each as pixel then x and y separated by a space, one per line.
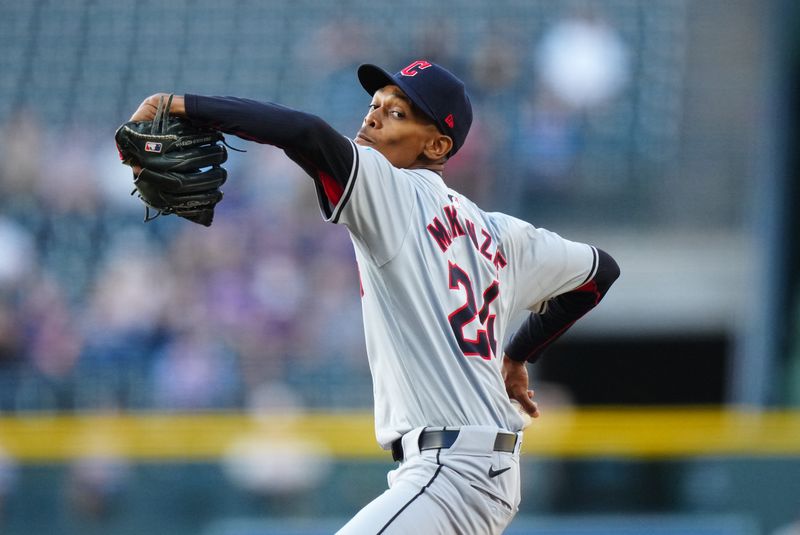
pixel 20 158
pixel 195 371
pixel 17 258
pixel 582 61
pixel 9 475
pixel 53 342
pixel 547 145
pixel 17 253
pixel 274 462
pixel 331 311
pixel 95 485
pixel 496 68
pixel 121 319
pixel 66 184
pixel 10 354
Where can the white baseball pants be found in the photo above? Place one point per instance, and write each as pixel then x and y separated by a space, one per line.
pixel 467 489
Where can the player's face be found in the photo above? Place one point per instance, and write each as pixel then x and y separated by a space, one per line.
pixel 395 128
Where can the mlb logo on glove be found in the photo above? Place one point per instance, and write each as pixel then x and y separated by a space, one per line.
pixel 152 146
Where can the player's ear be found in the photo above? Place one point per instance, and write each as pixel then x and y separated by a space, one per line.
pixel 438 147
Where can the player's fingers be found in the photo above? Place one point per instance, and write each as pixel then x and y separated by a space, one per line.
pixel 533 409
pixel 535 414
pixel 528 405
pixel 146 110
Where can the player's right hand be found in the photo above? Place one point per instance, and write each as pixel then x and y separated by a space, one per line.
pixel 515 376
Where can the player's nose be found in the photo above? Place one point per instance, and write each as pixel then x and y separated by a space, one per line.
pixel 372 119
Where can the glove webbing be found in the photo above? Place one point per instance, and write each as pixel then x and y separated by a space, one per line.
pixel 162 115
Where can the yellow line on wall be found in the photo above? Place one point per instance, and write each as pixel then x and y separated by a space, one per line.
pixel 636 433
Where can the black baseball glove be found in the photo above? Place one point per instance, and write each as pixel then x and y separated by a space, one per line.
pixel 180 164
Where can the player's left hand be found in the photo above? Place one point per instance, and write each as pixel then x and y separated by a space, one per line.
pixel 515 376
pixel 177 165
pixel 148 108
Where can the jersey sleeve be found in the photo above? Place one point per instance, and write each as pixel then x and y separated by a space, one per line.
pixel 543 264
pixel 375 205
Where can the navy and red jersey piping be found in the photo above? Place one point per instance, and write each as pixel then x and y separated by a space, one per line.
pixel 539 331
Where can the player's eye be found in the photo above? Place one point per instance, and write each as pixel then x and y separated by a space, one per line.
pixel 373 107
pixel 398 114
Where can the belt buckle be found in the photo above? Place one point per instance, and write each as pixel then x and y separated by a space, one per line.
pixel 505 442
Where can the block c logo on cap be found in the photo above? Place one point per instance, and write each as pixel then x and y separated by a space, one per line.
pixel 414 68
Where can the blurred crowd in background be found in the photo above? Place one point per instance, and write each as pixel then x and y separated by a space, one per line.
pixel 593 119
pixel 98 310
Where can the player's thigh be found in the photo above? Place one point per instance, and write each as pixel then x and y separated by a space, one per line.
pixel 403 509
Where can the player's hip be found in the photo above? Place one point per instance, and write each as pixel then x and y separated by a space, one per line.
pixel 470 458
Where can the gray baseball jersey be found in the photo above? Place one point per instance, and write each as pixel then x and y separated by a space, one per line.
pixel 441 280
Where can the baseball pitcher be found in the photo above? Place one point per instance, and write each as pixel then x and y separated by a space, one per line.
pixel 441 281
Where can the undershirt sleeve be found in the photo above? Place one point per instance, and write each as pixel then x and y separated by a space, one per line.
pixel 323 153
pixel 540 330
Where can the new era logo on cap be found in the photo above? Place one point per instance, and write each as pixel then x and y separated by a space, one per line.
pixel 433 89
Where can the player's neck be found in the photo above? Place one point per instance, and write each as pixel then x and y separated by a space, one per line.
pixel 436 167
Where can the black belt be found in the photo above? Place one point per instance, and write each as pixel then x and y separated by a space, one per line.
pixel 437 438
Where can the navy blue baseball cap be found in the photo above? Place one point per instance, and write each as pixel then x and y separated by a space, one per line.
pixel 433 89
